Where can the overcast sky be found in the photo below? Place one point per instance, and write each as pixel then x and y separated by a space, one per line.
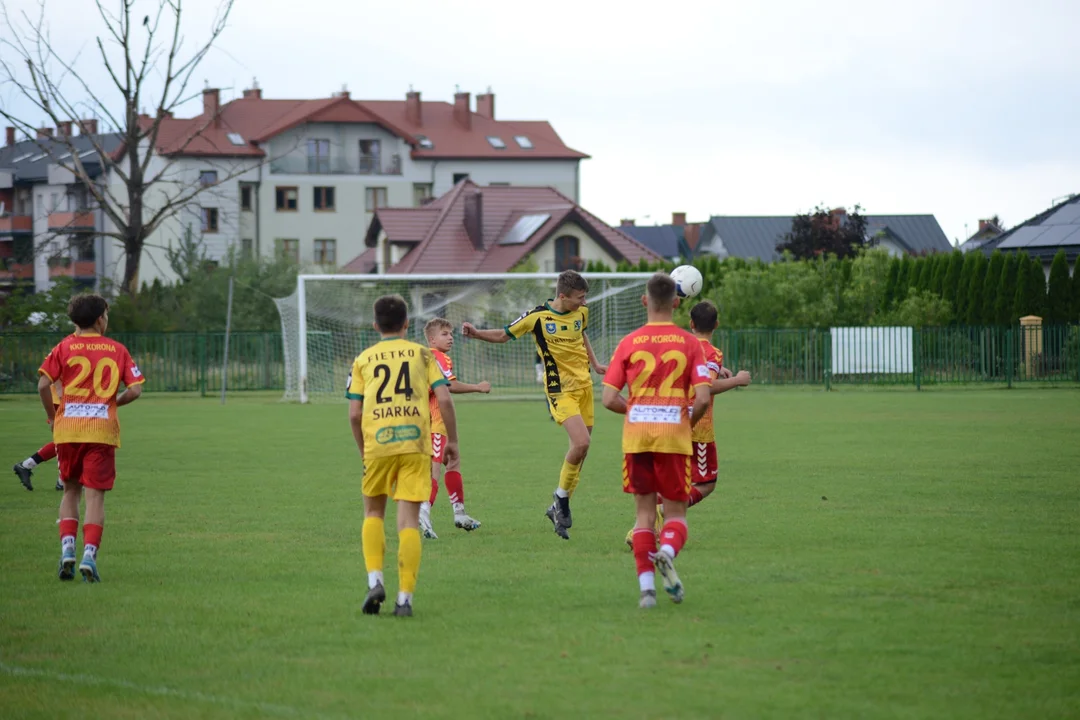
pixel 957 108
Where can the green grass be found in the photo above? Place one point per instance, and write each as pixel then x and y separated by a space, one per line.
pixel 894 555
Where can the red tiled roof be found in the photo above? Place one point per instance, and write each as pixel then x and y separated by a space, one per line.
pixel 447 248
pixel 257 120
pixel 362 264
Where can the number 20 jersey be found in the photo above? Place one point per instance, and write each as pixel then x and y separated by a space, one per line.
pixel 90 368
pixel 662 364
pixel 393 378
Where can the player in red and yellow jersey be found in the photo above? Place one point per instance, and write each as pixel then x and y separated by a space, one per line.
pixel 25 469
pixel 664 367
pixel 558 329
pixel 440 338
pixel 86 429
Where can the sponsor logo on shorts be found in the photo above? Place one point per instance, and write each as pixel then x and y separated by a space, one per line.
pixel 397 433
pixel 98 411
pixel 666 414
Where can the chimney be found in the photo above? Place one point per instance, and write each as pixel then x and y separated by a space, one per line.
pixel 462 110
pixel 485 105
pixel 678 219
pixel 474 219
pixel 253 94
pixel 45 132
pixel 9 136
pixel 63 129
pixel 626 222
pixel 88 127
pixel 693 235
pixel 413 108
pixel 211 102
pixel 166 113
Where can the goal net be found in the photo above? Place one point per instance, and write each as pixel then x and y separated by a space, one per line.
pixel 328 321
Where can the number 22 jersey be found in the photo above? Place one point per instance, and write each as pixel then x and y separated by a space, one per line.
pixel 663 364
pixel 393 378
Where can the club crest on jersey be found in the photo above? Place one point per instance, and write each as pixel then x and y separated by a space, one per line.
pixel 550 328
pixel 577 326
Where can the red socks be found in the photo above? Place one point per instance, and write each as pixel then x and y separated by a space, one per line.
pixel 91 536
pixel 434 491
pixel 69 527
pixel 454 489
pixel 673 535
pixel 644 541
pixel 695 496
pixel 47 453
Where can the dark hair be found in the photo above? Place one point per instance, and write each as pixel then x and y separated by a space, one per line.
pixel 391 313
pixel 84 310
pixel 661 290
pixel 570 280
pixel 705 316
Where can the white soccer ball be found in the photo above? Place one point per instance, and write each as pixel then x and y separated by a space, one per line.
pixel 688 280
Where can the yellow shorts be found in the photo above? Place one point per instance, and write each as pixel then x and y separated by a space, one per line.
pixel 402 477
pixel 566 405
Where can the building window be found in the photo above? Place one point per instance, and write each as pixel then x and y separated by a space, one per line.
pixel 566 253
pixel 208 177
pixel 245 197
pixel 318 156
pixel 458 177
pixel 370 152
pixel 499 184
pixel 289 249
pixel 326 252
pixel 247 248
pixel 324 198
pixel 421 193
pixel 375 197
pixel 84 250
pixel 286 199
pixel 209 220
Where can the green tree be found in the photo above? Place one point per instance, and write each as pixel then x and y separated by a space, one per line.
pixel 941 269
pixel 1006 291
pixel 990 288
pixel 921 309
pixel 963 287
pixel 915 276
pixel 823 232
pixel 904 279
pixel 974 309
pixel 1035 292
pixel 1058 299
pixel 950 289
pixel 888 300
pixel 1075 292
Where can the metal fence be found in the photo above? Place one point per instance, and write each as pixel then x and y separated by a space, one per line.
pixel 192 362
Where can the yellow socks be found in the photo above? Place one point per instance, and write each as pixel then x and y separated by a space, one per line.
pixel 408 559
pixel 568 477
pixel 374 544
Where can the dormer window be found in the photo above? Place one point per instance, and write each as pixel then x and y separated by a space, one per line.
pixel 235 138
pixel 496 142
pixel 425 142
pixel 523 142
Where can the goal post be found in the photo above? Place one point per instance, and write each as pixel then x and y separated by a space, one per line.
pixel 328 320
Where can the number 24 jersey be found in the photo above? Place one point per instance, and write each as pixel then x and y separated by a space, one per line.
pixel 663 364
pixel 392 378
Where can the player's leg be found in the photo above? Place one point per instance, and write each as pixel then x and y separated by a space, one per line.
pixel 700 491
pixel 426 528
pixel 69 528
pixel 705 471
pixel 408 494
pixel 574 412
pixel 97 475
pixel 378 474
pixel 25 469
pixel 673 473
pixel 639 480
pixel 455 488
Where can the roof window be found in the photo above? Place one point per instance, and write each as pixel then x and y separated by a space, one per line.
pixel 235 138
pixel 425 142
pixel 523 142
pixel 496 142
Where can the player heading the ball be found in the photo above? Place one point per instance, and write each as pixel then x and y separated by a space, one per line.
pixel 664 367
pixel 558 329
pixel 391 423
pixel 86 428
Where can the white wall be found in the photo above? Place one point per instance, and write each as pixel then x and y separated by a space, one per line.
pixel 588 249
pixel 559 174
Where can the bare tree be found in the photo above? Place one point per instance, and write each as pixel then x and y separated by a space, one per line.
pixel 145 59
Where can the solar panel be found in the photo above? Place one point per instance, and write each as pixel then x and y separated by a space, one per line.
pixel 1022 237
pixel 1058 235
pixel 1068 215
pixel 523 229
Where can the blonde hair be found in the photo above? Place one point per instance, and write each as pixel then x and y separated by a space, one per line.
pixel 436 324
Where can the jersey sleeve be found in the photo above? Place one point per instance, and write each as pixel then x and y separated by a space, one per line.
pixel 447 366
pixel 699 370
pixel 435 374
pixel 131 373
pixel 52 366
pixel 523 325
pixel 714 360
pixel 354 389
pixel 615 377
pixel 584 318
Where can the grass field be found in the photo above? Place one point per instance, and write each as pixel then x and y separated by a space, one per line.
pixel 892 555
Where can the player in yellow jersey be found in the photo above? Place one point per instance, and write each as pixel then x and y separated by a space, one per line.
pixel 391 423
pixel 558 329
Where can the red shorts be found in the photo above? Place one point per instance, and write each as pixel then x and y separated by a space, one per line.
pixel 438 448
pixel 666 474
pixel 705 467
pixel 91 465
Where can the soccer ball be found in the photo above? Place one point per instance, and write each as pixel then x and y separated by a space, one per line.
pixel 688 281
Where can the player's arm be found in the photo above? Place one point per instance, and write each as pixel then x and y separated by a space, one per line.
pixel 595 364
pixel 613 400
pixel 44 386
pixel 131 394
pixel 356 422
pixel 491 335
pixel 459 388
pixel 449 418
pixel 614 381
pixel 702 399
pixel 722 384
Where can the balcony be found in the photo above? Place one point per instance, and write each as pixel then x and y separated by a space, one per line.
pixel 66 267
pixel 16 225
pixel 11 271
pixel 361 165
pixel 78 221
